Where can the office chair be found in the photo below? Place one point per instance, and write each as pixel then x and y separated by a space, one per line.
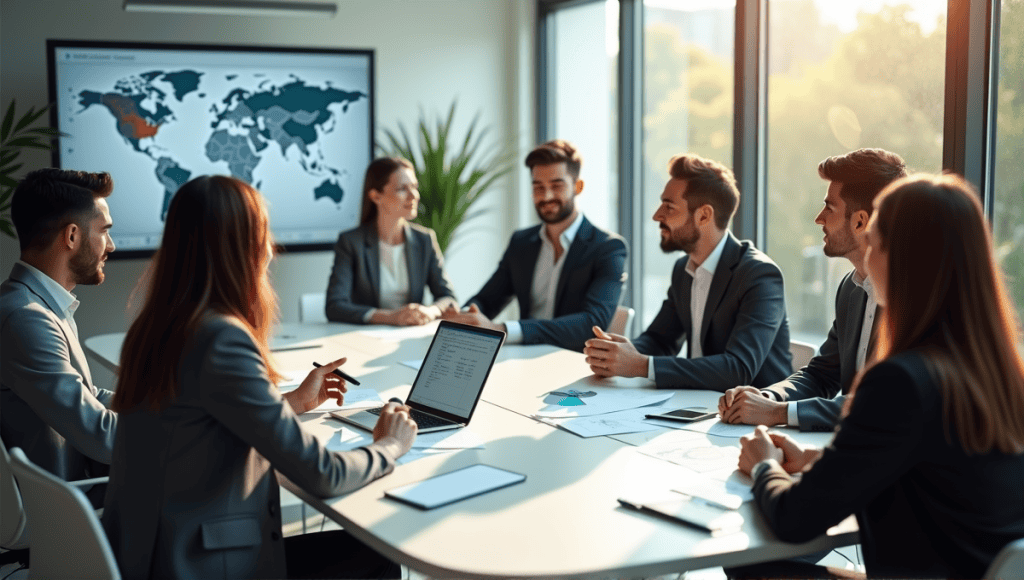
pixel 1009 562
pixel 67 539
pixel 312 307
pixel 802 353
pixel 13 528
pixel 622 320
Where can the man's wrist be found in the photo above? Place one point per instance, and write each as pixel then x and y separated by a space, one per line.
pixel 760 467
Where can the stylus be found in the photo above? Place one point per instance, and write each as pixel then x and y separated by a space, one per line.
pixel 340 373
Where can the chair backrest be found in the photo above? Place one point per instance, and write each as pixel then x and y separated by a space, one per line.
pixel 13 531
pixel 67 539
pixel 1009 562
pixel 622 320
pixel 802 353
pixel 312 307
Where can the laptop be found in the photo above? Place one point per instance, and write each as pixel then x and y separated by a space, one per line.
pixel 449 382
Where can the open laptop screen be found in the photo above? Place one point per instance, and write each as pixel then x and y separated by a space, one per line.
pixel 455 368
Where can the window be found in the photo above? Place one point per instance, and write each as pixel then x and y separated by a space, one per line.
pixel 688 108
pixel 842 75
pixel 582 80
pixel 1008 185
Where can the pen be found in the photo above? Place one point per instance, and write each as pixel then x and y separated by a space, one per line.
pixel 340 373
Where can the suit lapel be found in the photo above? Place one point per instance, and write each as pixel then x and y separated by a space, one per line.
pixel 573 254
pixel 685 289
pixel 414 265
pixel 371 260
pixel 525 268
pixel 720 281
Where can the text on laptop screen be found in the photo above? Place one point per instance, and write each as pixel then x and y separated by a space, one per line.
pixel 453 372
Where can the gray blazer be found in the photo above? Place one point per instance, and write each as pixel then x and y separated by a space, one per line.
pixel 744 335
pixel 354 286
pixel 48 404
pixel 192 491
pixel 830 372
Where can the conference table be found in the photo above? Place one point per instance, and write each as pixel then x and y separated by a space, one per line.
pixel 565 519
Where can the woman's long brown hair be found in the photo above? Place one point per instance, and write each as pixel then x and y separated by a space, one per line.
pixel 946 295
pixel 213 258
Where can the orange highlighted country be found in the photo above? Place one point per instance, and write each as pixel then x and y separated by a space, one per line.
pixel 129 122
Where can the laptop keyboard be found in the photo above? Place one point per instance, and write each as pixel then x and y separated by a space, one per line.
pixel 423 420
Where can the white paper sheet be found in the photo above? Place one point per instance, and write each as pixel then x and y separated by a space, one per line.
pixel 413 364
pixel 354 399
pixel 607 400
pixel 462 438
pixel 615 423
pixel 346 439
pixel 717 427
pixel 700 454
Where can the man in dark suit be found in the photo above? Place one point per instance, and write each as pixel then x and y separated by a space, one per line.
pixel 566 273
pixel 813 396
pixel 726 300
pixel 48 404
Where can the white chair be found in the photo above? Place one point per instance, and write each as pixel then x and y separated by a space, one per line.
pixel 312 307
pixel 67 539
pixel 802 353
pixel 622 321
pixel 1009 562
pixel 13 528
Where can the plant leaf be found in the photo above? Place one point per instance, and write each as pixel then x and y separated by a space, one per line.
pixel 30 118
pixel 7 227
pixel 8 121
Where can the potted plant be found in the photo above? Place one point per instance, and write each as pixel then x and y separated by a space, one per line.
pixel 452 172
pixel 16 136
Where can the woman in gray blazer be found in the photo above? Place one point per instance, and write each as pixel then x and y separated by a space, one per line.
pixel 381 267
pixel 192 491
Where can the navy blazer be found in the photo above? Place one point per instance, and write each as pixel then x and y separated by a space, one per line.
pixel 744 335
pixel 354 286
pixel 832 371
pixel 925 507
pixel 48 404
pixel 588 287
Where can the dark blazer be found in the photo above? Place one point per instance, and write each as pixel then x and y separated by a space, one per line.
pixel 354 286
pixel 588 287
pixel 744 335
pixel 924 506
pixel 48 404
pixel 192 490
pixel 830 372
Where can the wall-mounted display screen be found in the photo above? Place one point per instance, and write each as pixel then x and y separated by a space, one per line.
pixel 296 123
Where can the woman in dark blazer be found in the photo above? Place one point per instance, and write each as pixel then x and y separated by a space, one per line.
pixel 192 491
pixel 382 266
pixel 930 453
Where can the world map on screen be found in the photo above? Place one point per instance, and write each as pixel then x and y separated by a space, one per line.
pixel 238 128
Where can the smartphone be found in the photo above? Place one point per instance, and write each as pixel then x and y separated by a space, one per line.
pixel 684 415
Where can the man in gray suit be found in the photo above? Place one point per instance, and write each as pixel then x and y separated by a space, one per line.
pixel 813 396
pixel 48 404
pixel 726 300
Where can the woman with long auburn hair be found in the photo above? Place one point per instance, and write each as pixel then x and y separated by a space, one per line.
pixel 192 490
pixel 930 452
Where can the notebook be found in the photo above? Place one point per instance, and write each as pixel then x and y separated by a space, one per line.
pixel 450 380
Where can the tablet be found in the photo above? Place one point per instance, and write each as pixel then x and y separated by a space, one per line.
pixel 454 486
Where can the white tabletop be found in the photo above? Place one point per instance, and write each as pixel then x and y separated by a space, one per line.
pixel 564 520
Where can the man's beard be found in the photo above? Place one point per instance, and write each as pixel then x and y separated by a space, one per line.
pixel 680 240
pixel 837 246
pixel 565 210
pixel 85 267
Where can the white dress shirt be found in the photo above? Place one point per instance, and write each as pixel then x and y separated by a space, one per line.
pixel 66 301
pixel 699 289
pixel 545 279
pixel 394 276
pixel 870 307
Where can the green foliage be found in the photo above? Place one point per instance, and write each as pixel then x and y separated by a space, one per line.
pixel 453 173
pixel 16 135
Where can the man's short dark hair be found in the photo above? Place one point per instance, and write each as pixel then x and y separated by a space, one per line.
pixel 49 199
pixel 863 173
pixel 707 183
pixel 556 151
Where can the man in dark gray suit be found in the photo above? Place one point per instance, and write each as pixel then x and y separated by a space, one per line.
pixel 813 396
pixel 49 405
pixel 726 300
pixel 566 273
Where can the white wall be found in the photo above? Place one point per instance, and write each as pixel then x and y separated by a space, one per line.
pixel 428 52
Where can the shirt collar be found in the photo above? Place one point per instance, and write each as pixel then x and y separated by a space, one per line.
pixel 65 300
pixel 711 263
pixel 569 234
pixel 863 283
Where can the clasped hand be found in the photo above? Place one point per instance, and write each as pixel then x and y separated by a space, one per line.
pixel 471 316
pixel 613 355
pixel 413 315
pixel 762 445
pixel 750 406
